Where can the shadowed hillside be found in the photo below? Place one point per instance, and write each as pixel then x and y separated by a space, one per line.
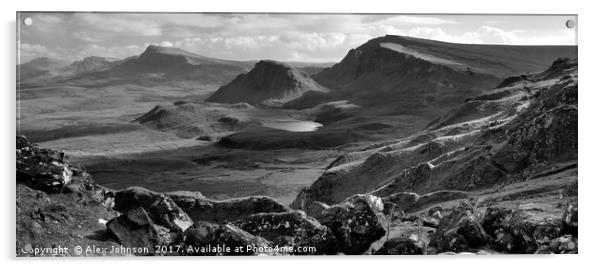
pixel 510 134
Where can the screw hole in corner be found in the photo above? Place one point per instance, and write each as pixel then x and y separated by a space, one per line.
pixel 28 21
pixel 570 24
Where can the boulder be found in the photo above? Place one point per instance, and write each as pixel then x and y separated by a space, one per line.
pixel 459 231
pixel 160 207
pixel 356 223
pixel 566 244
pixel 514 232
pixel 211 239
pixel 401 246
pixel 41 169
pixel 315 208
pixel 136 229
pixel 203 209
pixel 294 229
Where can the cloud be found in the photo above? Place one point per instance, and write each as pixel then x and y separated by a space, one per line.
pixel 292 46
pixel 28 52
pixel 85 37
pixel 254 36
pixel 124 24
pixel 102 51
pixel 492 35
pixel 166 44
pixel 404 20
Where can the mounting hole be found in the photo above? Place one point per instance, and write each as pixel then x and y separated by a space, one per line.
pixel 570 24
pixel 28 21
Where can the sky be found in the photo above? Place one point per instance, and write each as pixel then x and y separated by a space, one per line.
pixel 284 37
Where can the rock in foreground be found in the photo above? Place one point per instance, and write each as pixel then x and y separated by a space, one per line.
pixel 356 223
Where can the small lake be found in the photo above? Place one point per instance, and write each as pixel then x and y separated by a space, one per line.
pixel 293 125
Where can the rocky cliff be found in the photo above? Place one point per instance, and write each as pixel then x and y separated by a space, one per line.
pixel 383 80
pixel 405 75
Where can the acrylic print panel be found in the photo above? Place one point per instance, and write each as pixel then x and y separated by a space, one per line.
pixel 163 134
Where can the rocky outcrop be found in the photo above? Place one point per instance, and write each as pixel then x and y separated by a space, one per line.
pixel 135 229
pixel 401 246
pixel 356 223
pixel 460 231
pixel 269 82
pixel 336 185
pixel 516 232
pixel 203 209
pixel 211 239
pixel 294 229
pixel 43 169
pixel 51 210
pixel 160 208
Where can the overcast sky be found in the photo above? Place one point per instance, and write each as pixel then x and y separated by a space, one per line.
pixel 286 37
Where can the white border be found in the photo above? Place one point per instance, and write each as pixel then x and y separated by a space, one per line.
pixel 590 120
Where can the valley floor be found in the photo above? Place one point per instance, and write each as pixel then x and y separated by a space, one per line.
pixel 217 172
pixel 97 127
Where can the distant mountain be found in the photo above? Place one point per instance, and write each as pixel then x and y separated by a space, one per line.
pixel 498 60
pixel 157 58
pixel 92 63
pixel 39 66
pixel 174 64
pixel 155 65
pixel 268 82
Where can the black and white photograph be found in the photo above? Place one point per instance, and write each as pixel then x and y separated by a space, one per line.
pixel 295 134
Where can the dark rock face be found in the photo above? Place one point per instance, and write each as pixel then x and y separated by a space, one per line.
pixel 356 222
pixel 161 209
pixel 291 229
pixel 204 234
pixel 267 82
pixel 136 229
pixel 42 169
pixel 459 231
pixel 401 246
pixel 203 209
